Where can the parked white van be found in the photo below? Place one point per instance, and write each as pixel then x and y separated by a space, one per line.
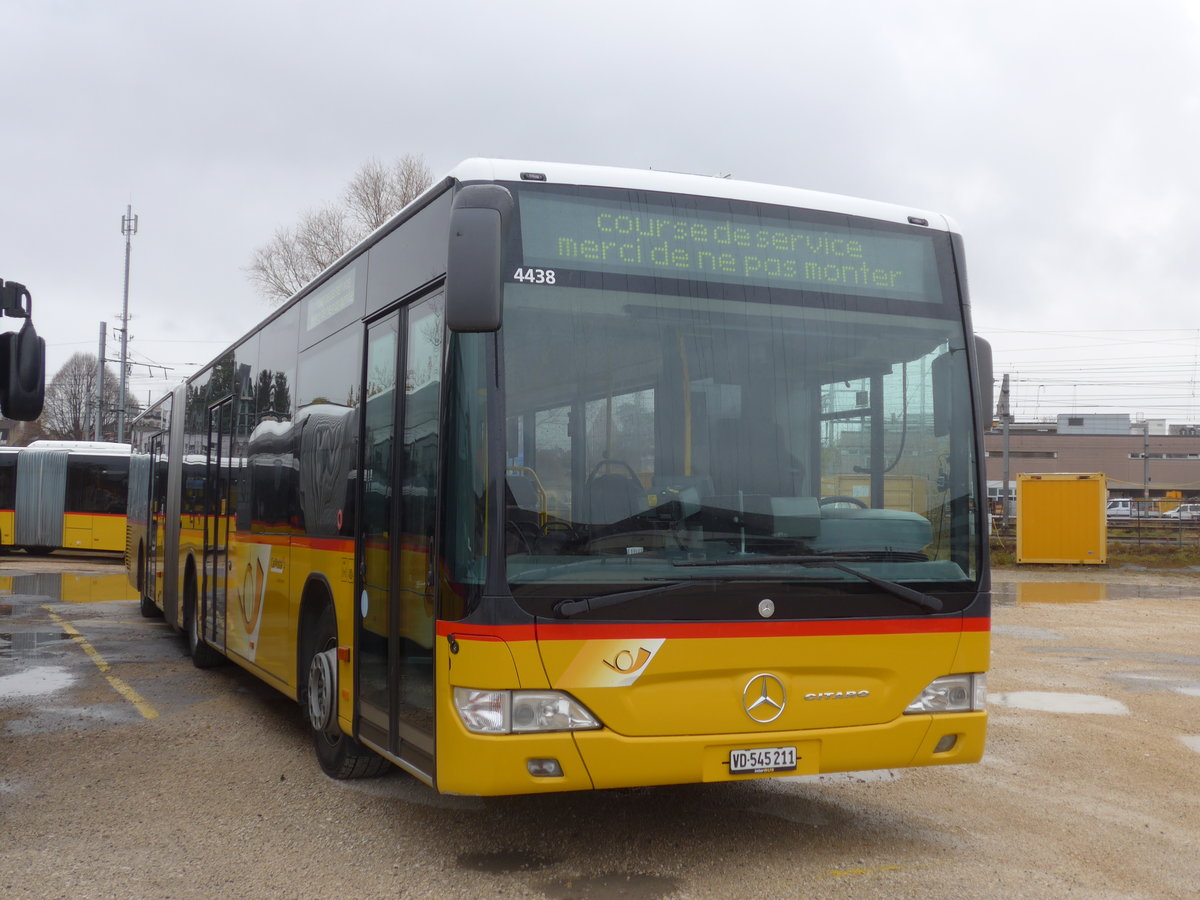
pixel 1132 508
pixel 1121 508
pixel 1184 511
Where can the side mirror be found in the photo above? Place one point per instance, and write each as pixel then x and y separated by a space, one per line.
pixel 15 300
pixel 22 373
pixel 946 393
pixel 983 361
pixel 22 358
pixel 474 284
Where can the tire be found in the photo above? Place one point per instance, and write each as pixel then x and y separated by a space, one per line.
pixel 203 656
pixel 339 755
pixel 148 607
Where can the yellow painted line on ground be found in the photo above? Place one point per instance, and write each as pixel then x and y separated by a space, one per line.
pixel 118 685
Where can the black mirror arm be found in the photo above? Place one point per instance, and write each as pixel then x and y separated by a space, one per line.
pixel 15 300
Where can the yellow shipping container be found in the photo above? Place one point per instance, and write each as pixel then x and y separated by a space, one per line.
pixel 1060 519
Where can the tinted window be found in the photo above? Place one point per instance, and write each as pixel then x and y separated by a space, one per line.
pixel 8 480
pixel 269 503
pixel 97 485
pixel 324 432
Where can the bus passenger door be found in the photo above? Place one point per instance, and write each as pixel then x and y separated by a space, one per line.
pixel 156 505
pixel 399 453
pixel 217 484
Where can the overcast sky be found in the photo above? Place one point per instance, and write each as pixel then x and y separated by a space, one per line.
pixel 1062 137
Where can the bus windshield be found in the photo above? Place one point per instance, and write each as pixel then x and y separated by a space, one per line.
pixel 708 422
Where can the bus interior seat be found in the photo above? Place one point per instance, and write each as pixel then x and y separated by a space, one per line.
pixel 613 497
pixel 522 492
pixel 521 509
pixel 754 458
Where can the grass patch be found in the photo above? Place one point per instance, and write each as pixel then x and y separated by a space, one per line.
pixel 1148 556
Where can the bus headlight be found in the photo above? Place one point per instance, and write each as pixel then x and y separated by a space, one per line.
pixel 520 712
pixel 951 693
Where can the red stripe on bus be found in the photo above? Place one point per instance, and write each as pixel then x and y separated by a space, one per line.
pixel 708 630
pixel 344 545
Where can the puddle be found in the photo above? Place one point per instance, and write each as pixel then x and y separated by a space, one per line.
pixel 30 644
pixel 71 588
pixel 1192 741
pixel 35 682
pixel 1010 593
pixel 1048 701
pixel 1061 591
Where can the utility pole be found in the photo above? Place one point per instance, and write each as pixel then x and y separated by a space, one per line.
pixel 98 429
pixel 1004 415
pixel 1146 461
pixel 129 225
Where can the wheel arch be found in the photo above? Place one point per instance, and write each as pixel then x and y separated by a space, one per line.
pixel 190 592
pixel 316 597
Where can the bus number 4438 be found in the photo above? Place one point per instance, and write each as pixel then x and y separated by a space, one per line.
pixel 534 276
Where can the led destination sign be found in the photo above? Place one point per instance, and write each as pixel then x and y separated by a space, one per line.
pixel 632 238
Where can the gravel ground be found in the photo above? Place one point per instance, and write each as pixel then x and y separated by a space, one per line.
pixel 1088 788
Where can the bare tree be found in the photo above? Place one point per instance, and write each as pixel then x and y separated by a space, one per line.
pixel 69 412
pixel 295 256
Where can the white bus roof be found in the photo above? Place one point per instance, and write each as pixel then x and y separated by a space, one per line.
pixel 94 448
pixel 700 185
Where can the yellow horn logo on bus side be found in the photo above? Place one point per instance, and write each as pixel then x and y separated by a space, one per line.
pixel 609 663
pixel 625 662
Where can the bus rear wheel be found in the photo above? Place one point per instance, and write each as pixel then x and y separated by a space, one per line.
pixel 149 609
pixel 340 755
pixel 203 656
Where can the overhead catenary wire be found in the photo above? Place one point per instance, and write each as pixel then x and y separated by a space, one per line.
pixel 1151 373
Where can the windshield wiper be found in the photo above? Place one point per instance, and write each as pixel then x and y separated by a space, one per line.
pixel 917 598
pixel 568 608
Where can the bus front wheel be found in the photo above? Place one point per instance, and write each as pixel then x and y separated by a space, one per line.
pixel 340 755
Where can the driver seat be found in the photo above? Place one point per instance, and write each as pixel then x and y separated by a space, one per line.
pixel 612 498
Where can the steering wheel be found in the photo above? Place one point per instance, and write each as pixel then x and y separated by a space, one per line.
pixel 515 530
pixel 842 498
pixel 613 462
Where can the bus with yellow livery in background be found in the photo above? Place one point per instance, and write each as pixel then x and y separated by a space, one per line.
pixel 64 495
pixel 575 478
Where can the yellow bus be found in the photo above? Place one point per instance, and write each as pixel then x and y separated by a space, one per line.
pixel 524 493
pixel 64 495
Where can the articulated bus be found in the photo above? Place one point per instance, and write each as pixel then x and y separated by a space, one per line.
pixel 575 478
pixel 64 495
